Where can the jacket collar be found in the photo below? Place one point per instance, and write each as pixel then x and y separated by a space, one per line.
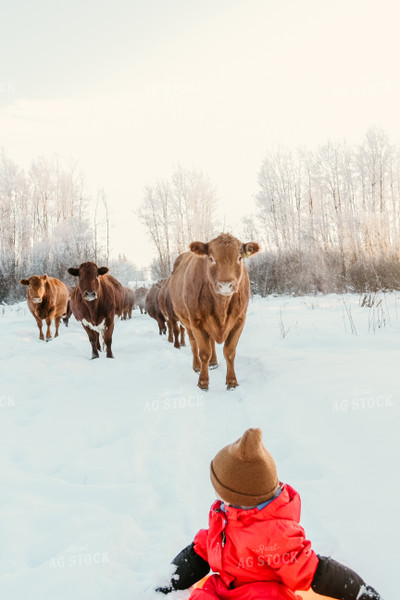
pixel 276 506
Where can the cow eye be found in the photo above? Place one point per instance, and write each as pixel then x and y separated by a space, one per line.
pixel 240 258
pixel 211 259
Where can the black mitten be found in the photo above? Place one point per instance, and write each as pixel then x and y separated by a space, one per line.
pixel 190 568
pixel 334 579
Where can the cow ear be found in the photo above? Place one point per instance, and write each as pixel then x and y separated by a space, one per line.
pixel 249 249
pixel 102 270
pixel 44 276
pixel 199 248
pixel 24 282
pixel 74 272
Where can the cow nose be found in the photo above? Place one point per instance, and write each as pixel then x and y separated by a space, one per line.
pixel 90 295
pixel 226 287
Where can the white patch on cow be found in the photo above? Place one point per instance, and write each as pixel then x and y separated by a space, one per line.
pixel 36 300
pixel 99 328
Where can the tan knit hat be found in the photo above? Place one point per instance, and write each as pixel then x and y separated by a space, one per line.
pixel 244 473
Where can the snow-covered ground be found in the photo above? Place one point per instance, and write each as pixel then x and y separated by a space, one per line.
pixel 105 464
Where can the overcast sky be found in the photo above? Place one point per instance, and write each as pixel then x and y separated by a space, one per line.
pixel 131 88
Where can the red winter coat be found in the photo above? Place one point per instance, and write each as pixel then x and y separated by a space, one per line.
pixel 267 545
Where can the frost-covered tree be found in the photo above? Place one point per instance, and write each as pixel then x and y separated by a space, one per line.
pixel 330 218
pixel 43 221
pixel 176 212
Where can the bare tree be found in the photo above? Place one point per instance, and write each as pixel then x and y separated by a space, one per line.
pixel 176 212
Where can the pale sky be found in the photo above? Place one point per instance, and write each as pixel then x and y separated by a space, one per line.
pixel 131 88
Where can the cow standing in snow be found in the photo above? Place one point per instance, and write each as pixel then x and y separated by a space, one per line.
pixel 210 291
pixel 140 299
pixel 176 331
pixel 129 303
pixel 47 299
pixel 96 301
pixel 153 307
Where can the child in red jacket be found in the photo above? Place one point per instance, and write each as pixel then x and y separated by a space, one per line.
pixel 254 543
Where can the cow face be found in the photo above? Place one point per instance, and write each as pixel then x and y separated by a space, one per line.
pixel 88 283
pixel 225 256
pixel 36 287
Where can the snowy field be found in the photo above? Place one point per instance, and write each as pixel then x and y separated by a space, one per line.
pixel 105 463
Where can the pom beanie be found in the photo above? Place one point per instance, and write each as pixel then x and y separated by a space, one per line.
pixel 244 473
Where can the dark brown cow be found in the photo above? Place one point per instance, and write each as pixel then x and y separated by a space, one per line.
pixel 47 299
pixel 152 306
pixel 140 299
pixel 174 327
pixel 210 291
pixel 129 303
pixel 96 301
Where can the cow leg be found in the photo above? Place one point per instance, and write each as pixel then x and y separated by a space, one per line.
pixel 107 336
pixel 204 344
pixel 161 325
pixel 230 353
pixel 175 329
pixel 195 351
pixel 39 324
pixel 94 340
pixel 48 331
pixel 170 335
pixel 57 325
pixel 182 340
pixel 98 345
pixel 213 360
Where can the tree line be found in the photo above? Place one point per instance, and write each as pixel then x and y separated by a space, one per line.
pixel 329 219
pixel 48 223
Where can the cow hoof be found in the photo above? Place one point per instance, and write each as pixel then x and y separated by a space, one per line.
pixel 213 366
pixel 231 386
pixel 49 339
pixel 203 387
pixel 196 369
pixel 95 356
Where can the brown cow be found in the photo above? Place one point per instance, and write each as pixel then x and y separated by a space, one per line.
pixel 129 303
pixel 96 301
pixel 47 299
pixel 210 291
pixel 153 308
pixel 174 328
pixel 140 299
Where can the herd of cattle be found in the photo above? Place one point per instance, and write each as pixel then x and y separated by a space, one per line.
pixel 207 294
